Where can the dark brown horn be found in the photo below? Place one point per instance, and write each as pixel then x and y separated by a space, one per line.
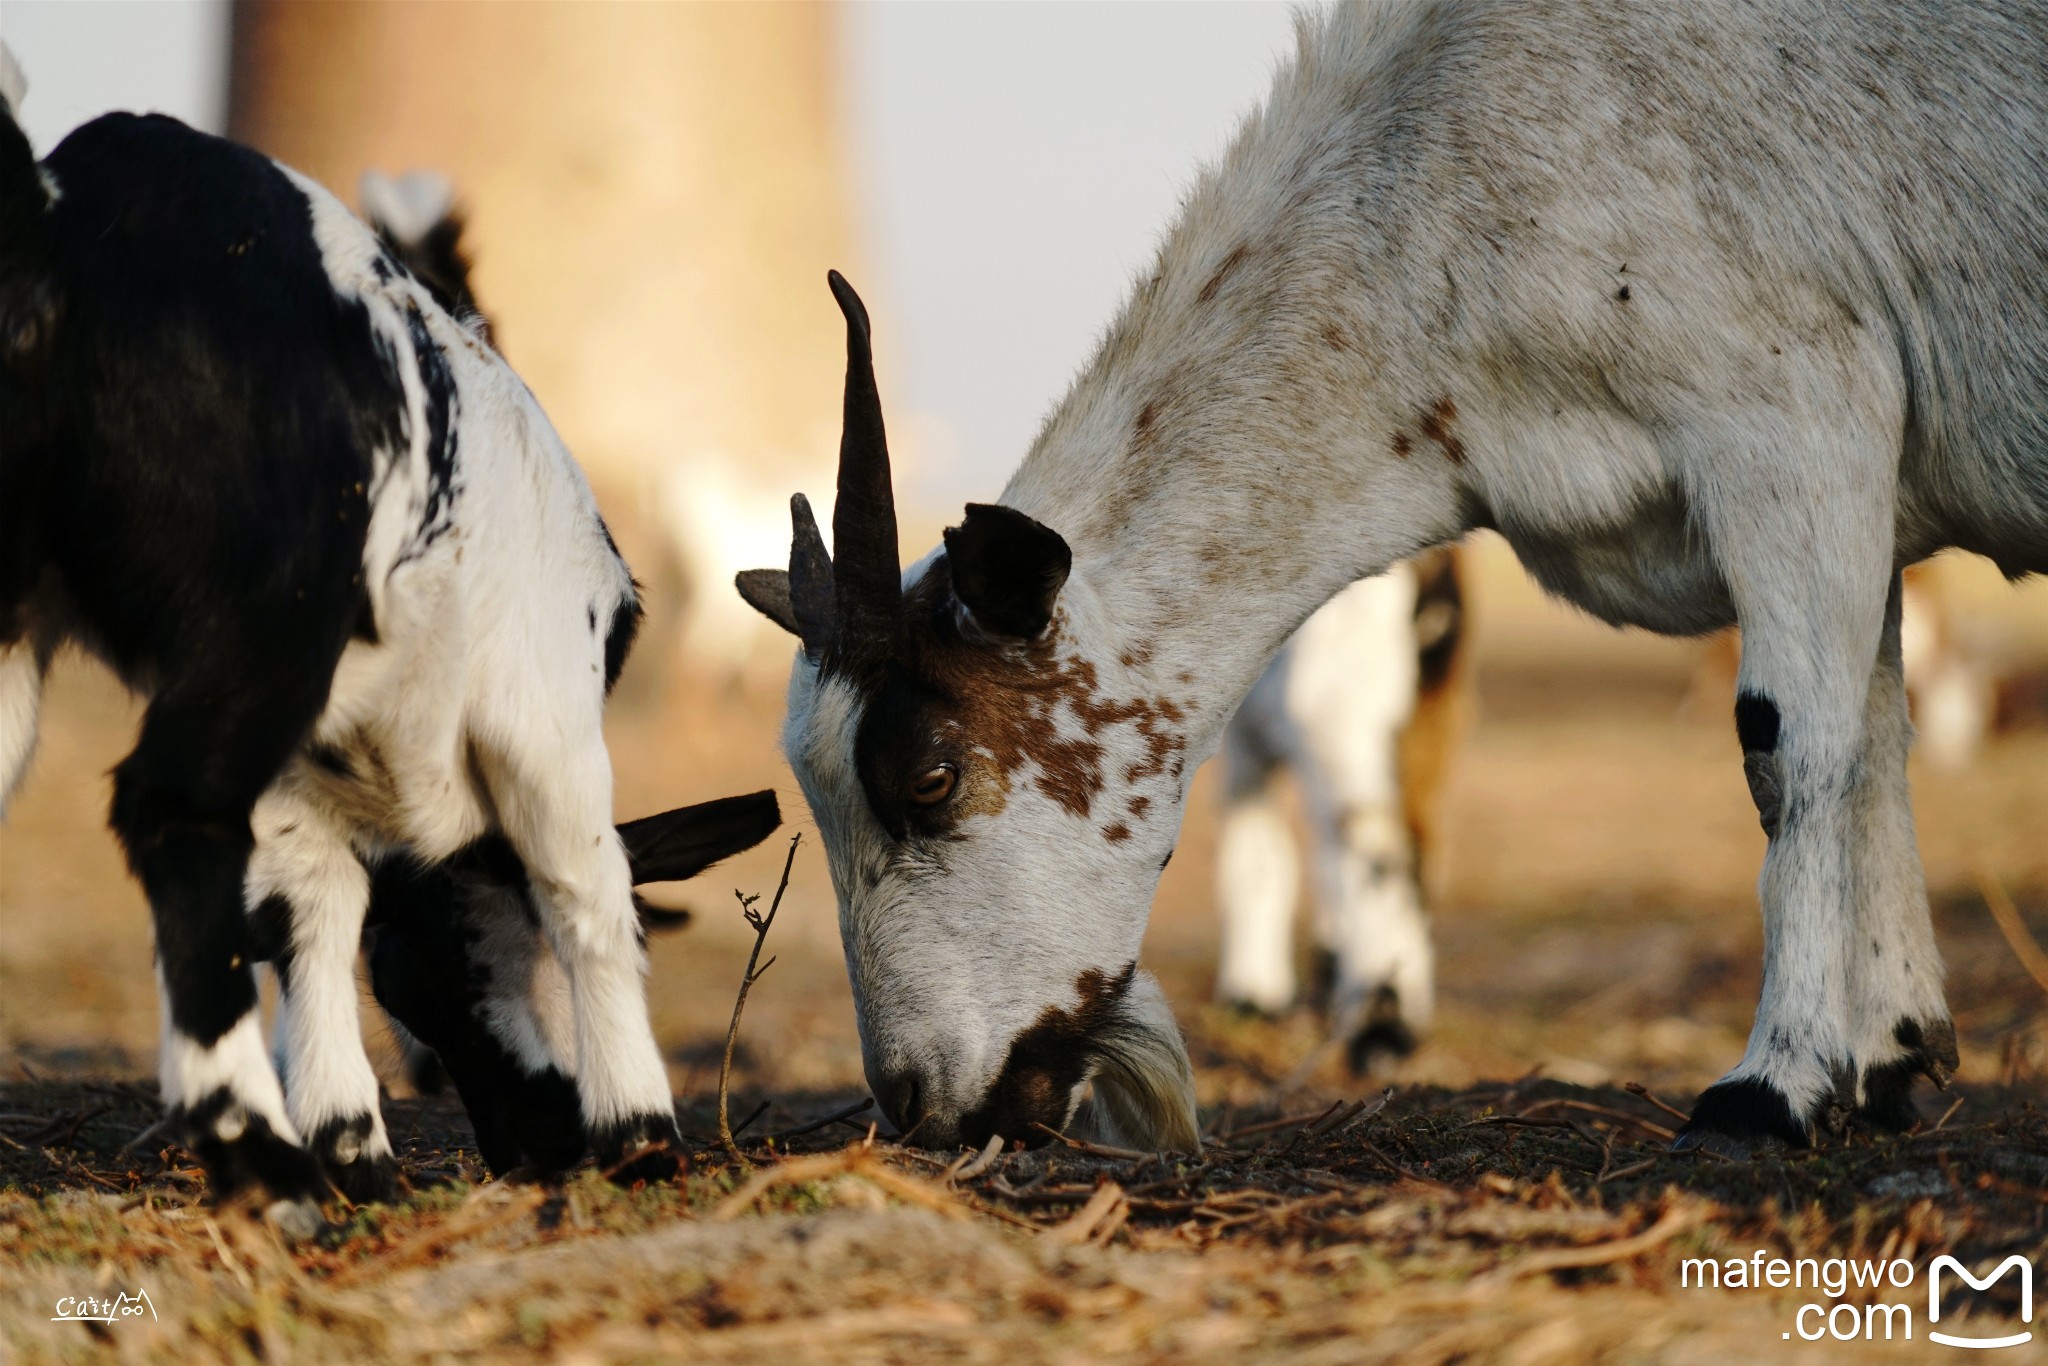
pixel 867 576
pixel 810 580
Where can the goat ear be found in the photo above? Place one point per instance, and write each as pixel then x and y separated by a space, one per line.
pixel 1007 569
pixel 682 843
pixel 767 592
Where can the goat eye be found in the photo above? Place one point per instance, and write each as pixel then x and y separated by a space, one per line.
pixel 934 786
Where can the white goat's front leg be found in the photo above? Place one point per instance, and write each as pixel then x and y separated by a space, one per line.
pixel 1258 871
pixel 556 811
pixel 307 894
pixel 1852 1002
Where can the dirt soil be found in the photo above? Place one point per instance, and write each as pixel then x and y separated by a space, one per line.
pixel 1502 1195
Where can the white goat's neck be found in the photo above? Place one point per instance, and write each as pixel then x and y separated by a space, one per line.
pixel 1269 418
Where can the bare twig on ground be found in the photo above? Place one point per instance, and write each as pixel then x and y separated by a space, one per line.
pixel 822 1121
pixel 748 1122
pixel 1636 1088
pixel 1948 1114
pixel 967 1168
pixel 1082 1145
pixel 1098 1220
pixel 761 925
pixel 2013 928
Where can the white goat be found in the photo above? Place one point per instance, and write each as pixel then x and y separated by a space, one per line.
pixel 1720 312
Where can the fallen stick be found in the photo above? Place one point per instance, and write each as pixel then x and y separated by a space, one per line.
pixel 1082 1145
pixel 1636 1088
pixel 822 1122
pixel 761 926
pixel 967 1168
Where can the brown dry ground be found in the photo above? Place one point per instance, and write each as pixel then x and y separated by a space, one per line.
pixel 1511 1202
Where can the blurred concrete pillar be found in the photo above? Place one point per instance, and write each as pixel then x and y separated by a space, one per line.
pixel 655 192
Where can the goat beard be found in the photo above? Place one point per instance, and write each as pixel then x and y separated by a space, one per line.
pixel 1141 1093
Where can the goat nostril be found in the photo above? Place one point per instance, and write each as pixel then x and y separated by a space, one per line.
pixel 901 1096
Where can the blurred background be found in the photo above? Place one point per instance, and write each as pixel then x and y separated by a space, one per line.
pixel 654 193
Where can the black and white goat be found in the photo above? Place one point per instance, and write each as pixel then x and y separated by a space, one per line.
pixel 1720 312
pixel 458 959
pixel 254 466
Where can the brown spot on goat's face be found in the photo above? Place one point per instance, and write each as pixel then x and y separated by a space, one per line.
pixel 1438 425
pixel 1231 262
pixel 1403 447
pixel 998 712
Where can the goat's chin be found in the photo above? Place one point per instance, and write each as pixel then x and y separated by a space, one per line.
pixel 1143 1090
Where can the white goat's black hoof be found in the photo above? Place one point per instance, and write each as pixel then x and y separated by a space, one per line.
pixel 1742 1119
pixel 343 1147
pixel 643 1148
pixel 240 1149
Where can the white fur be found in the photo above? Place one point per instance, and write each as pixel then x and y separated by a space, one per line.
pixel 1330 709
pixel 191 1072
pixel 410 205
pixel 21 699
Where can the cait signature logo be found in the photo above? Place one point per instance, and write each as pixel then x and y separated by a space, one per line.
pixel 92 1309
pixel 2013 1263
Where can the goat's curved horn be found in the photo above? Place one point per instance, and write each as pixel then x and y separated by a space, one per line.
pixel 867 576
pixel 810 580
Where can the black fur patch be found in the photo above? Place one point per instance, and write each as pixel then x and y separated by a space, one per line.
pixel 442 438
pixel 364 1179
pixel 270 937
pixel 1439 619
pixel 664 1162
pixel 1756 723
pixel 618 639
pixel 258 1155
pixel 1737 1118
pixel 1384 1036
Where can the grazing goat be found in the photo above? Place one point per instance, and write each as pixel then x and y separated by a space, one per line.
pixel 457 957
pixel 1721 312
pixel 257 469
pixel 1363 706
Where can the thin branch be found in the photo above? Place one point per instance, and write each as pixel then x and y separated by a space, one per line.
pixel 822 1121
pixel 761 925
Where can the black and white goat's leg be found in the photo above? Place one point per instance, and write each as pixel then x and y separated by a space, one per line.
pixel 1258 875
pixel 182 801
pixel 1852 983
pixel 308 893
pixel 556 811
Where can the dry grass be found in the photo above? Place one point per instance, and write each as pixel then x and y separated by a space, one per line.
pixel 1598 927
pixel 1527 1222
